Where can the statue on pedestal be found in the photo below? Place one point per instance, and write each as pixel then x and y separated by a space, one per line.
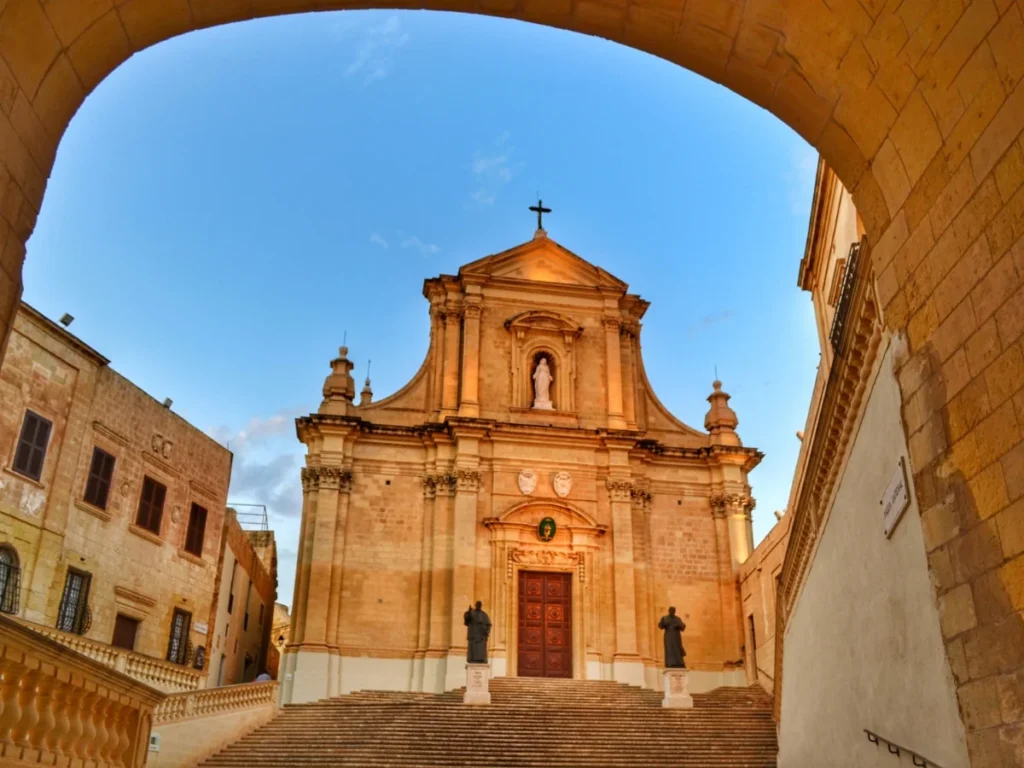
pixel 674 651
pixel 479 628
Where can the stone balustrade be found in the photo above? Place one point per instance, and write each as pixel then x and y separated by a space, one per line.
pixel 215 701
pixel 156 673
pixel 59 707
pixel 188 727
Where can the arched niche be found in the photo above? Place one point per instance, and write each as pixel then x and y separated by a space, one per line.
pixel 542 333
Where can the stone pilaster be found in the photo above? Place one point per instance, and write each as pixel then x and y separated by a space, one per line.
pixel 613 354
pixel 450 380
pixel 463 560
pixel 469 402
pixel 344 492
pixel 628 667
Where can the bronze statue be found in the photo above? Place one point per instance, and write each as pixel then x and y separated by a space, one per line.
pixel 674 651
pixel 479 624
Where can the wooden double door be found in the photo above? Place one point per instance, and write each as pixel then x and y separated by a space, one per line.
pixel 545 624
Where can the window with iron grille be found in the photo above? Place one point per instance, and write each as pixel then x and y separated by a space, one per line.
pixel 845 298
pixel 196 530
pixel 151 505
pixel 97 487
pixel 177 643
pixel 248 591
pixel 31 451
pixel 73 615
pixel 10 580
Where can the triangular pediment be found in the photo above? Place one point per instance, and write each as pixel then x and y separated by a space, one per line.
pixel 545 261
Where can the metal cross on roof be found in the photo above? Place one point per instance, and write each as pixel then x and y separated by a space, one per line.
pixel 540 210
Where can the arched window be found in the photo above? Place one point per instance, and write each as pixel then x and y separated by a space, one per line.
pixel 10 579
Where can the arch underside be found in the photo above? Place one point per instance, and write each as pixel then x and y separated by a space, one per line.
pixel 916 104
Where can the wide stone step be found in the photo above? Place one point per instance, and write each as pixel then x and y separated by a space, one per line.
pixel 531 723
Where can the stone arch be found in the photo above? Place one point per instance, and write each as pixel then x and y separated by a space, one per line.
pixel 917 106
pixel 576 514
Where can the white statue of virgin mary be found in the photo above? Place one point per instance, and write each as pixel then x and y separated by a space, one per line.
pixel 542 386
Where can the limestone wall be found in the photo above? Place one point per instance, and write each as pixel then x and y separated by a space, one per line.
pixel 134 572
pixel 863 647
pixel 758 593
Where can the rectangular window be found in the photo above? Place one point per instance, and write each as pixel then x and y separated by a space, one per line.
pixel 261 614
pixel 73 615
pixel 10 580
pixel 31 451
pixel 97 487
pixel 231 587
pixel 151 505
pixel 248 591
pixel 125 629
pixel 196 530
pixel 177 643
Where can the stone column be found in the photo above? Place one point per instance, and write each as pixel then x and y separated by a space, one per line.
pixel 450 379
pixel 469 402
pixel 627 665
pixel 613 354
pixel 641 504
pixel 437 338
pixel 463 571
pixel 310 494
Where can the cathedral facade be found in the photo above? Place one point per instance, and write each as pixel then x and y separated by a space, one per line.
pixel 528 464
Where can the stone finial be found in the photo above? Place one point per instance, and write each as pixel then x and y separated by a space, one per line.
pixel 721 420
pixel 339 386
pixel 366 394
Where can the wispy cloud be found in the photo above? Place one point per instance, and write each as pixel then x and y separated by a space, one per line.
pixel 378 240
pixel 411 241
pixel 708 321
pixel 799 179
pixel 266 471
pixel 492 169
pixel 375 58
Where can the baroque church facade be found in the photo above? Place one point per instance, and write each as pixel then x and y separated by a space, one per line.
pixel 528 464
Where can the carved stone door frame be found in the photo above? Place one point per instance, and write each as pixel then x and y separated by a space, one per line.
pixel 515 546
pixel 528 563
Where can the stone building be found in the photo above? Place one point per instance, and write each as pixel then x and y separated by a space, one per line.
pixel 246 592
pixel 854 586
pixel 111 510
pixel 528 464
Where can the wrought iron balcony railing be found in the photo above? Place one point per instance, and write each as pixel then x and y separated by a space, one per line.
pixel 845 298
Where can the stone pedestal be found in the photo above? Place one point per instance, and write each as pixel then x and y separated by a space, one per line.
pixel 677 690
pixel 477 676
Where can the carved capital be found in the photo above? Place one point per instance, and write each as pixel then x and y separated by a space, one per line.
pixel 611 324
pixel 472 312
pixel 629 329
pixel 332 479
pixel 619 490
pixel 443 484
pixel 468 480
pixel 723 504
pixel 429 486
pixel 641 498
pixel 310 479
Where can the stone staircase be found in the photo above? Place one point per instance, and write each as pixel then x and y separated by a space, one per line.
pixel 530 723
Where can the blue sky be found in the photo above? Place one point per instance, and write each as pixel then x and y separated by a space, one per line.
pixel 227 204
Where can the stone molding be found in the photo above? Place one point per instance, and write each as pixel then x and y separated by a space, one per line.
pixel 547 557
pixel 842 405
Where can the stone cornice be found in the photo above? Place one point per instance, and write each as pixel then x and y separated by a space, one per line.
pixel 842 406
